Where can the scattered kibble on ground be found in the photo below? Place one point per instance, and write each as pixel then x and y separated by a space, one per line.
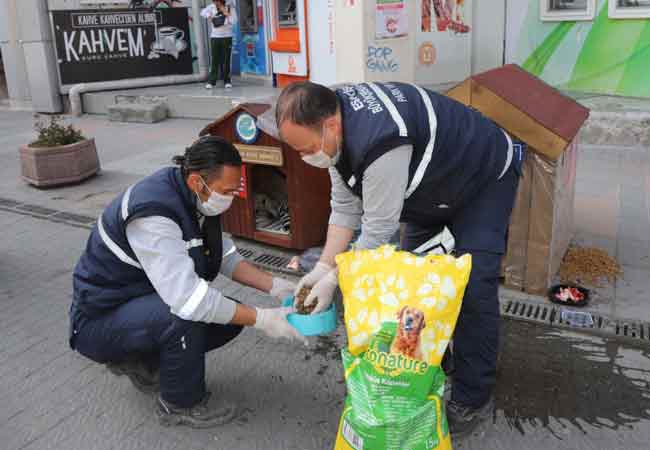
pixel 589 265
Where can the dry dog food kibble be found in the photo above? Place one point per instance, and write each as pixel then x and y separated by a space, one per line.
pixel 301 308
pixel 589 265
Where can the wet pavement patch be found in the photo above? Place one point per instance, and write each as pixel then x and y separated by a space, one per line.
pixel 547 374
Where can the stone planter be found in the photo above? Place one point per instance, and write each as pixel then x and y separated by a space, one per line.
pixel 53 166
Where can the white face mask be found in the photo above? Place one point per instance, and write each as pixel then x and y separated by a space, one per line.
pixel 216 204
pixel 321 159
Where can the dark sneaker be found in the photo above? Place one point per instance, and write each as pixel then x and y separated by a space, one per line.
pixel 145 379
pixel 198 416
pixel 463 420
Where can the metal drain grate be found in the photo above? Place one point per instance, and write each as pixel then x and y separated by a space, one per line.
pixel 275 263
pixel 272 260
pixel 37 209
pixel 245 252
pixel 74 218
pixel 52 215
pixel 551 315
pixel 8 203
pixel 528 311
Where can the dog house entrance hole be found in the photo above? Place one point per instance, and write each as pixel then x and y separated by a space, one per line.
pixel 271 201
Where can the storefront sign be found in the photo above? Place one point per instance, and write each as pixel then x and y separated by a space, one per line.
pixel 259 154
pixel 391 19
pixel 104 45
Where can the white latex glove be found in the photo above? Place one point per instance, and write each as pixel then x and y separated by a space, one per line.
pixel 319 271
pixel 282 288
pixel 273 322
pixel 323 292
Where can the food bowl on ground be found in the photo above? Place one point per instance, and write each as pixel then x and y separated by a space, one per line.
pixel 569 295
pixel 309 324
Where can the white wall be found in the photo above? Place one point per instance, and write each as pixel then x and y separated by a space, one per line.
pixel 350 41
pixel 13 56
pixel 488 37
pixel 356 43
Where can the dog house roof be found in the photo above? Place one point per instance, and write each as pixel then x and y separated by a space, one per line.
pixel 254 109
pixel 547 105
pixel 525 106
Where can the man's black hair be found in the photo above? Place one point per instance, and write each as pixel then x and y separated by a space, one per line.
pixel 208 155
pixel 306 104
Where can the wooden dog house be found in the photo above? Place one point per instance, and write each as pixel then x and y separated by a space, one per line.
pixel 547 124
pixel 274 178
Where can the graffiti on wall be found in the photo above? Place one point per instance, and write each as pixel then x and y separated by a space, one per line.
pixel 381 59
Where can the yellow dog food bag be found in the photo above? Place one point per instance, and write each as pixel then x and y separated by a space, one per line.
pixel 400 313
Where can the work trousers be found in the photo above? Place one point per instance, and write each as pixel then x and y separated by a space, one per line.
pixel 144 328
pixel 479 228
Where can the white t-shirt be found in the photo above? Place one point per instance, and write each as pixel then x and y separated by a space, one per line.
pixel 224 31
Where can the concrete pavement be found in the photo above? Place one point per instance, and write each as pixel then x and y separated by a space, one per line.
pixel 612 208
pixel 556 389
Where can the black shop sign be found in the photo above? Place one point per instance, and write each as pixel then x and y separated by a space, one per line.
pixel 105 45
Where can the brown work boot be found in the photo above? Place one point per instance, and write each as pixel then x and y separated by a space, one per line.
pixel 197 416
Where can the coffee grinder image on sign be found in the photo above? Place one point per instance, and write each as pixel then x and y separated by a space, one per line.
pixel 169 41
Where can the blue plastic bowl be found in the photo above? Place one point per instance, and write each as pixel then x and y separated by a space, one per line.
pixel 313 324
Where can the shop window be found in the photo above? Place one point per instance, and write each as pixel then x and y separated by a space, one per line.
pixel 248 16
pixel 287 13
pixel 629 9
pixel 567 10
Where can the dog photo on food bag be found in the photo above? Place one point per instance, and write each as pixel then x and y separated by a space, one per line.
pixel 409 326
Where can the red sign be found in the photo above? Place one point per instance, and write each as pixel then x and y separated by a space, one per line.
pixel 243 189
pixel 292 65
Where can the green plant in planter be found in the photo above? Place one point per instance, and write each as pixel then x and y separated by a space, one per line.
pixel 59 155
pixel 55 133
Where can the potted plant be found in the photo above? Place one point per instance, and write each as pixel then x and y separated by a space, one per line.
pixel 60 155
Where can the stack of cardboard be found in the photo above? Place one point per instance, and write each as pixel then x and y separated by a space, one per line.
pixel 547 124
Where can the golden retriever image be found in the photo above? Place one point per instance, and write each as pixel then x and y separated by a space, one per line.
pixel 409 326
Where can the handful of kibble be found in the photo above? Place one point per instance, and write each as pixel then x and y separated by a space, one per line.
pixel 300 306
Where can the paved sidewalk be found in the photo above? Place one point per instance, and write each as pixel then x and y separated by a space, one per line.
pixel 612 208
pixel 555 389
pixel 127 152
pixel 612 211
pixel 54 398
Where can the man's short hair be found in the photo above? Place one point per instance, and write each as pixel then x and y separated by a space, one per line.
pixel 306 104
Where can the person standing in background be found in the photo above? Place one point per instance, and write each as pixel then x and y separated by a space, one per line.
pixel 222 16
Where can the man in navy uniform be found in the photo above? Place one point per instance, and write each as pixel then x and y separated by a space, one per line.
pixel 400 153
pixel 143 301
